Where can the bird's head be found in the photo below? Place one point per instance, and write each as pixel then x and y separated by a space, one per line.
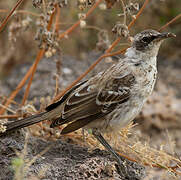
pixel 149 41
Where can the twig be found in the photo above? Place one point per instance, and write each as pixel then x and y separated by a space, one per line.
pixel 27 12
pixel 68 31
pixel 9 116
pixel 44 7
pixel 92 27
pixel 122 51
pixel 170 22
pixel 58 62
pixel 138 14
pixel 3 10
pixel 20 12
pixel 10 110
pixel 4 98
pixel 50 21
pixel 19 86
pixel 57 19
pixel 124 12
pixel 38 58
pixel 9 15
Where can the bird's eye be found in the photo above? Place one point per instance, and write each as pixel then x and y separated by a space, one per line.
pixel 148 39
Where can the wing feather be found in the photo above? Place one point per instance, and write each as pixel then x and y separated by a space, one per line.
pixel 86 104
pixel 56 104
pixel 80 123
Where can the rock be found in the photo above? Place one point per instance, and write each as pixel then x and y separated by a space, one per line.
pixel 63 160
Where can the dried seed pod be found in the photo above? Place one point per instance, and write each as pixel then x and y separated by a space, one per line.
pixel 83 4
pixel 131 8
pixel 121 30
pixel 37 3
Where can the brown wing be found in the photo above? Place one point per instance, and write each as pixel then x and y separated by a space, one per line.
pixel 87 103
pixel 56 104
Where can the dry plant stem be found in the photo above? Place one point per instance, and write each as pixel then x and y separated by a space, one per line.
pixel 3 10
pixel 170 22
pixel 27 12
pixel 57 18
pixel 50 21
pixel 10 14
pixel 122 51
pixel 4 98
pixel 7 108
pixel 9 116
pixel 20 12
pixel 139 13
pixel 68 31
pixel 38 58
pixel 13 94
pixel 92 27
pixel 124 12
pixel 56 29
pixel 100 58
pixel 44 7
pixel 57 85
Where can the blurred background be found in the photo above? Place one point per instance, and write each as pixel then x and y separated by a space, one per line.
pixel 18 38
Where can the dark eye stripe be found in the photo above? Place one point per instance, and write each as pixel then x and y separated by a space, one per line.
pixel 148 39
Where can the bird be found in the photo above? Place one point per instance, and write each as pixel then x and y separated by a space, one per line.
pixel 111 99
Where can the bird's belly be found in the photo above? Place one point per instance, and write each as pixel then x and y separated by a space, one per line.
pixel 124 114
pixel 119 118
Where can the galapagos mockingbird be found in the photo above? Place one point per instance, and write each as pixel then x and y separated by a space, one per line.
pixel 111 99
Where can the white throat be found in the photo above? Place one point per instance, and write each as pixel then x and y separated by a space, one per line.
pixel 148 57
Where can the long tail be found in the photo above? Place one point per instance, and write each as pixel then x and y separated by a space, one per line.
pixel 17 124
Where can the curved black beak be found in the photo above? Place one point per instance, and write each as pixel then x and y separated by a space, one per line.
pixel 166 35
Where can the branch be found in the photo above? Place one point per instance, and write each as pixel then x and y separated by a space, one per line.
pixel 20 12
pixel 170 22
pixel 10 14
pixel 38 58
pixel 68 31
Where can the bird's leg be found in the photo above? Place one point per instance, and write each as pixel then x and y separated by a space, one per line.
pixel 101 139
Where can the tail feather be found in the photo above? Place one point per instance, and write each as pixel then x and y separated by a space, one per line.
pixel 17 124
